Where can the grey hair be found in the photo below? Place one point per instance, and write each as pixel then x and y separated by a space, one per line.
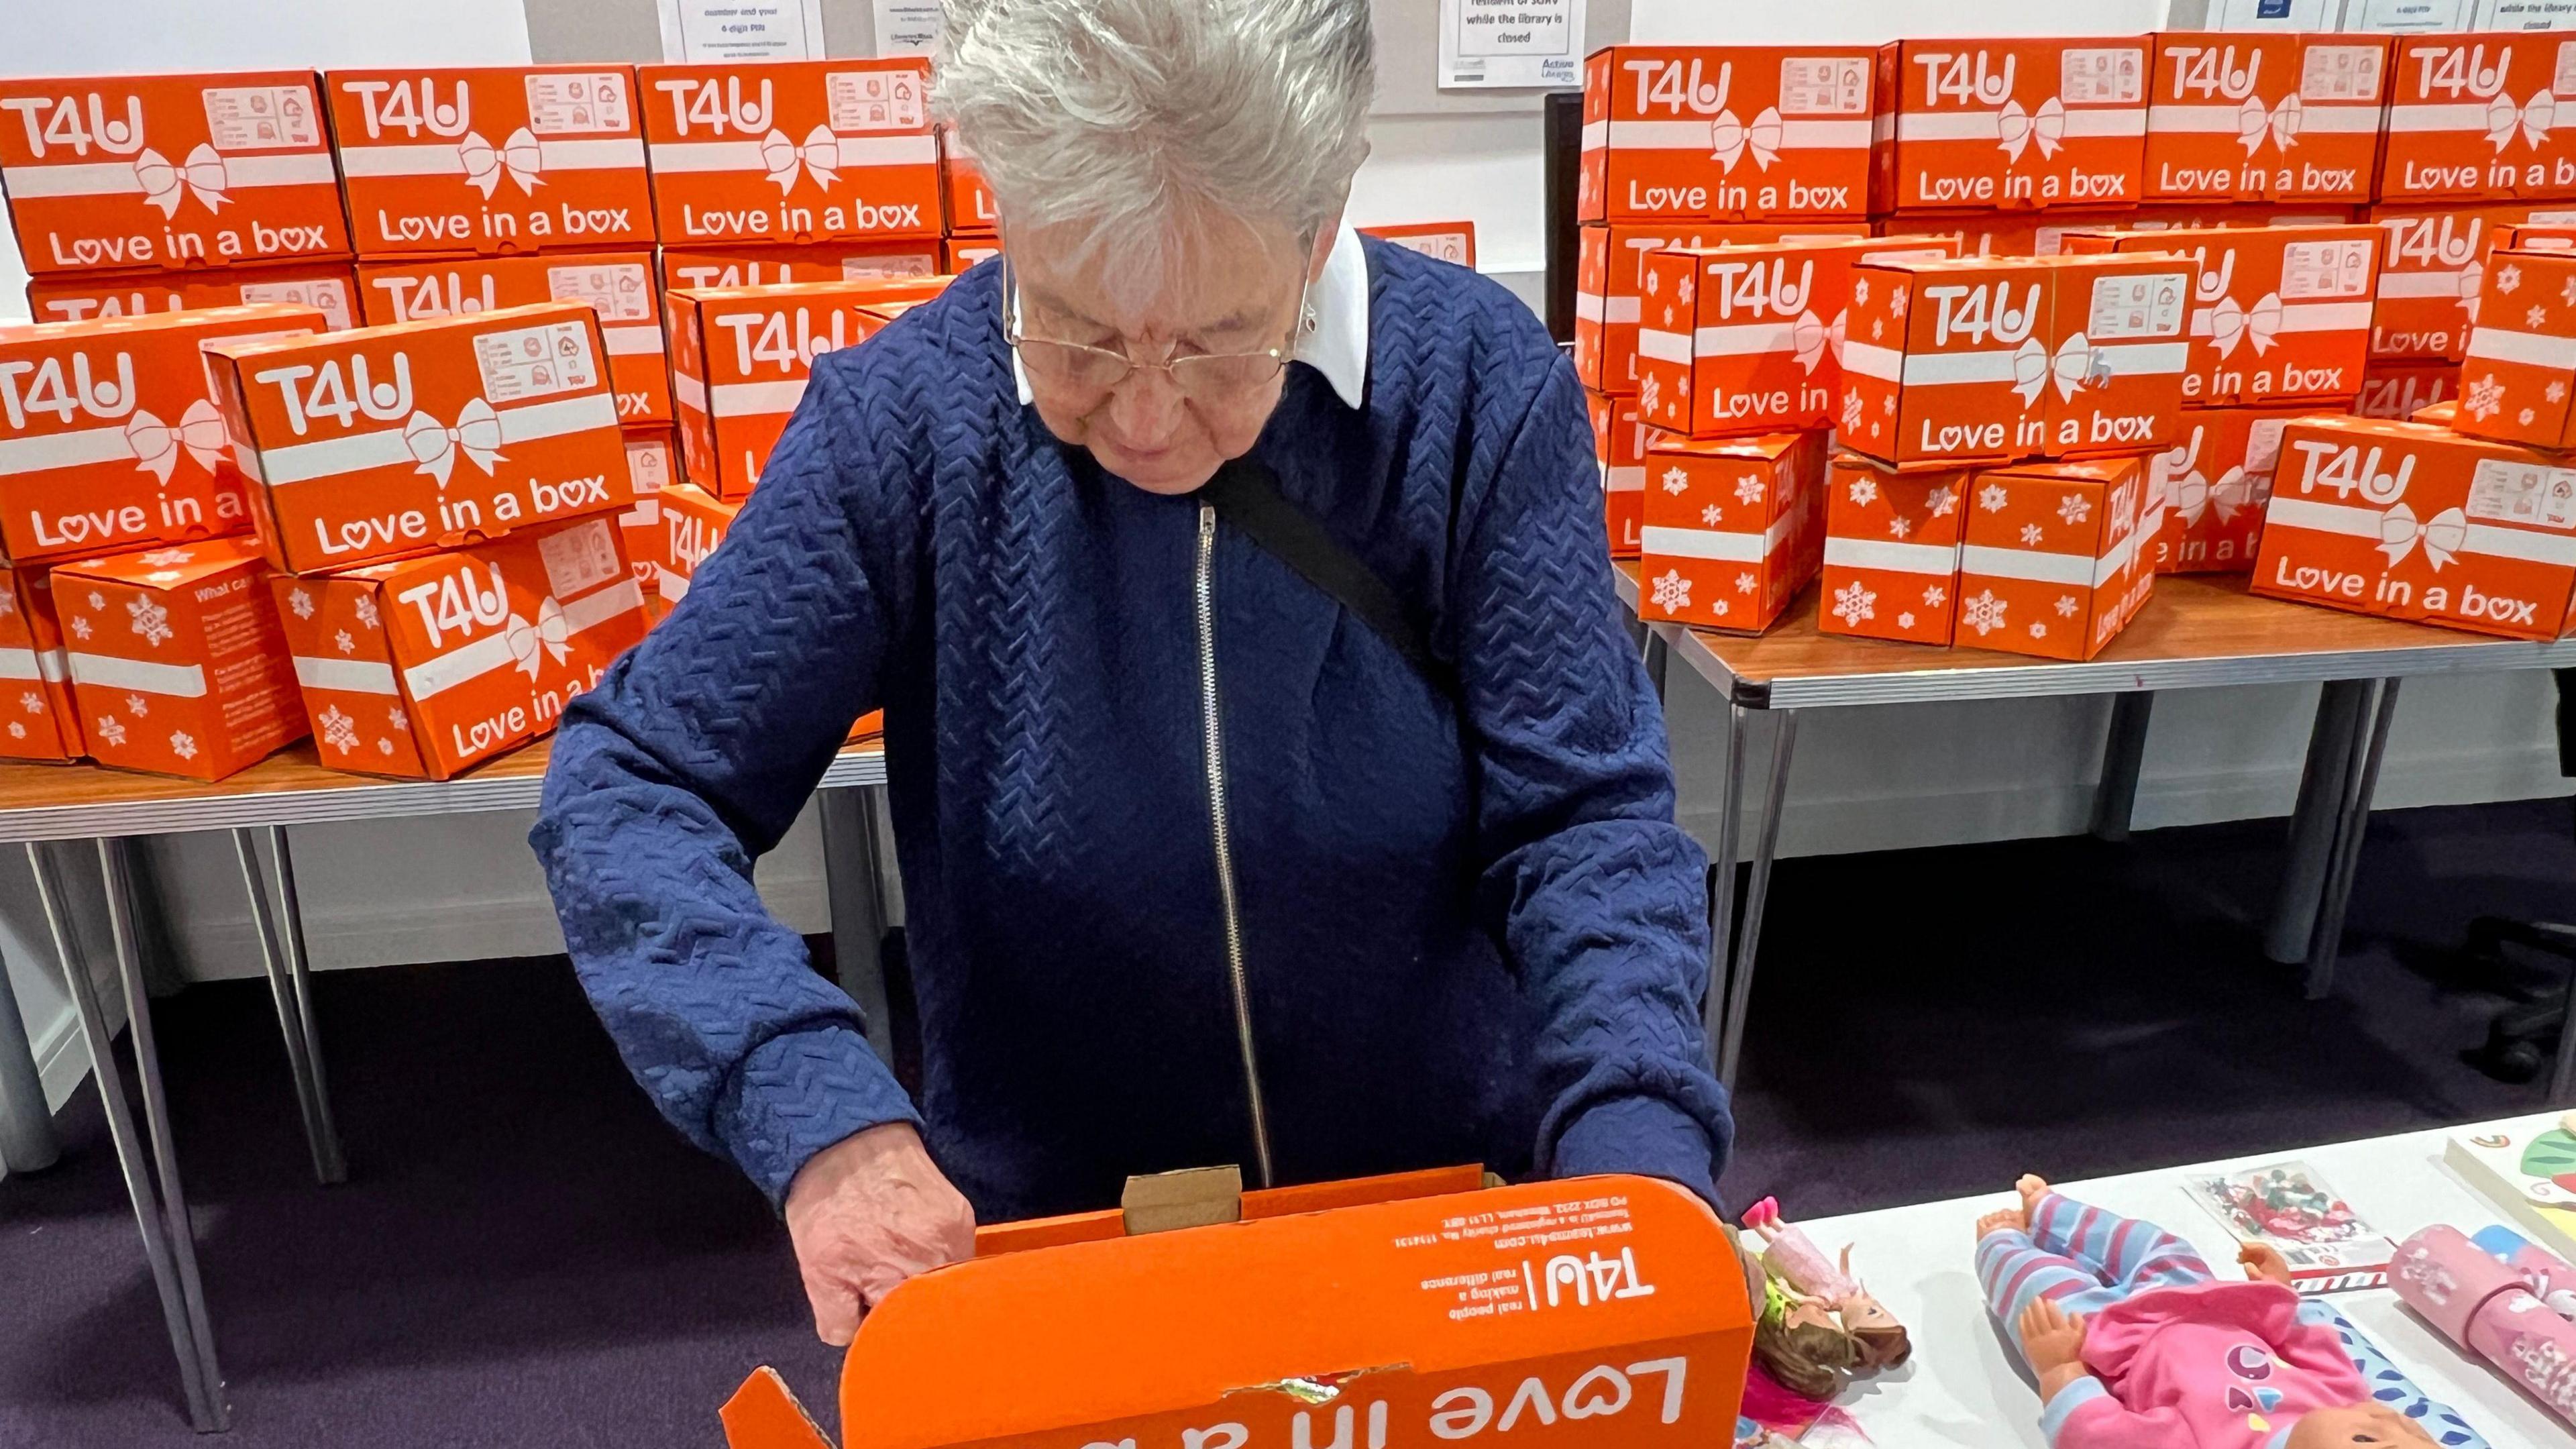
pixel 1147 116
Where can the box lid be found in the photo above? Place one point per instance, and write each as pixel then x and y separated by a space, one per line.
pixel 165 568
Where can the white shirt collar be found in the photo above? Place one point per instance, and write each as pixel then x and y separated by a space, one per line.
pixel 1339 346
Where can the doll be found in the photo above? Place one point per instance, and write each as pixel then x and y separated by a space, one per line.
pixel 1793 1257
pixel 2137 1344
pixel 1796 1337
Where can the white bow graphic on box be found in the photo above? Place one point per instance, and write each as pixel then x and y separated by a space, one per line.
pixel 2441 536
pixel 2281 123
pixel 2075 366
pixel 2017 128
pixel 519 157
pixel 820 156
pixel 477 434
pixel 549 635
pixel 1812 338
pixel 2230 324
pixel 157 445
pixel 1730 138
pixel 164 184
pixel 2533 118
pixel 2193 493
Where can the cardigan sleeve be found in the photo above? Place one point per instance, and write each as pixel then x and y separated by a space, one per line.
pixel 690 760
pixel 1599 898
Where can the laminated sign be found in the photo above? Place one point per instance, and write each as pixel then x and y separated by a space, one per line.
pixel 792 151
pixel 2286 117
pixel 2012 124
pixel 617 285
pixel 389 441
pixel 496 160
pixel 1583 1314
pixel 169 171
pixel 1726 133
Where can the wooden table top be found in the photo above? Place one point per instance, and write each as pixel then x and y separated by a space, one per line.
pixel 291 787
pixel 2198 630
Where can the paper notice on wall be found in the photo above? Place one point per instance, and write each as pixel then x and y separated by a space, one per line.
pixel 1486 44
pixel 907 27
pixel 2274 14
pixel 2406 17
pixel 742 29
pixel 2526 15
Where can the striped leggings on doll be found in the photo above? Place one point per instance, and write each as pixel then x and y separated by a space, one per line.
pixel 2082 1258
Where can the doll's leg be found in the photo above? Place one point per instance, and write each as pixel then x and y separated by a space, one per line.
pixel 2014 1271
pixel 2128 1252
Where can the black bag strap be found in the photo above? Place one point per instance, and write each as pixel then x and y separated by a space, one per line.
pixel 1246 494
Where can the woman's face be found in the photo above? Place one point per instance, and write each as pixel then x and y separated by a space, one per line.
pixel 1232 288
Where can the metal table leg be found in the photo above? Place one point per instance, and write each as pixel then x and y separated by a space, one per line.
pixel 1659 658
pixel 1721 884
pixel 1766 843
pixel 2292 929
pixel 853 880
pixel 290 986
pixel 169 1243
pixel 27 1141
pixel 2562 1077
pixel 2122 752
pixel 2362 772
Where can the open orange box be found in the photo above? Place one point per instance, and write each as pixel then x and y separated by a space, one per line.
pixel 2215 482
pixel 1726 133
pixel 1891 560
pixel 109 438
pixel 38 718
pixel 2474 118
pixel 705 268
pixel 492 160
pixel 388 441
pixel 791 150
pixel 1597 1312
pixel 1734 527
pixel 741 356
pixel 1609 295
pixel 426 667
pixel 176 659
pixel 327 288
pixel 2055 558
pixel 2278 315
pixel 171 171
pixel 2413 521
pixel 2012 124
pixel 617 285
pixel 1450 241
pixel 2285 116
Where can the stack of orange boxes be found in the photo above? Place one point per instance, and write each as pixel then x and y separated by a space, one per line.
pixel 438 500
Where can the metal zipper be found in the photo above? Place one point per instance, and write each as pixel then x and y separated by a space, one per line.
pixel 1203 588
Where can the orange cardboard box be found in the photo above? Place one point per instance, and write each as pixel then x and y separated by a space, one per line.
pixel 2278 315
pixel 109 439
pixel 171 171
pixel 1734 527
pixel 617 285
pixel 1450 241
pixel 2054 559
pixel 491 160
pixel 791 151
pixel 1891 563
pixel 84 296
pixel 702 268
pixel 2012 124
pixel 967 195
pixel 1609 296
pixel 177 662
pixel 389 441
pixel 2044 233
pixel 2214 482
pixel 2431 268
pixel 2414 521
pixel 1749 339
pixel 2397 389
pixel 1619 440
pixel 961 252
pixel 1725 133
pixel 2521 354
pixel 2470 118
pixel 42 722
pixel 652 464
pixel 2120 353
pixel 2285 116
pixel 740 357
pixel 1470 1302
pixel 426 667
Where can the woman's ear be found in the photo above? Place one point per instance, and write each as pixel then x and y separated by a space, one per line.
pixel 1322 250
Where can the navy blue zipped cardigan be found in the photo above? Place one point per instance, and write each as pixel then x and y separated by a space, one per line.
pixel 1469 928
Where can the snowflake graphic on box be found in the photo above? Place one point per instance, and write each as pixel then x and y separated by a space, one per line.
pixel 17 731
pixel 183 745
pixel 1748 490
pixel 1898 527
pixel 1676 480
pixel 1650 396
pixel 1852 604
pixel 1877 329
pixel 1654 284
pixel 2483 398
pixel 1860 292
pixel 151 620
pixel 2038 630
pixel 8 604
pixel 1984 613
pixel 1942 501
pixel 32 702
pixel 2524 417
pixel 400 720
pixel 2066 606
pixel 1711 514
pixel 97 600
pixel 139 706
pixel 2556 392
pixel 1905 620
pixel 80 627
pixel 1896 303
pixel 1992 498
pixel 1682 290
pixel 344 643
pixel 1851 411
pixel 2031 534
pixel 2075 509
pixel 384 746
pixel 366 607
pixel 1745 583
pixel 338 730
pixel 301 602
pixel 1864 491
pixel 1672 592
pixel 111 729
pixel 2509 278
pixel 1935 596
pixel 2536 318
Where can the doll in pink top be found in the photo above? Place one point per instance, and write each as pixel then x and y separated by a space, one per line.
pixel 2138 1345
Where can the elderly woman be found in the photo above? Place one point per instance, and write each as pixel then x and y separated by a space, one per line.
pixel 1272 782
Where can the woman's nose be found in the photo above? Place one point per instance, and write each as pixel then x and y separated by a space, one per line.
pixel 1147 408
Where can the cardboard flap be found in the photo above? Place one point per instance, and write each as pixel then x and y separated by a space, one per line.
pixel 1612 1308
pixel 764 1414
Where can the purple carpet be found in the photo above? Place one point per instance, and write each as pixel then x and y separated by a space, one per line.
pixel 524 1255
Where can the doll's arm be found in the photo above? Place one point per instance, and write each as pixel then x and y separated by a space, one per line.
pixel 2084 1415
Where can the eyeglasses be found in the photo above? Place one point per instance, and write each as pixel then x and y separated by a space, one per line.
pixel 1080 367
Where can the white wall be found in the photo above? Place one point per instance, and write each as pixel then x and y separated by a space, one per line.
pixel 1683 22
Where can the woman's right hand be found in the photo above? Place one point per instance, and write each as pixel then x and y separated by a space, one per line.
pixel 866 1213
